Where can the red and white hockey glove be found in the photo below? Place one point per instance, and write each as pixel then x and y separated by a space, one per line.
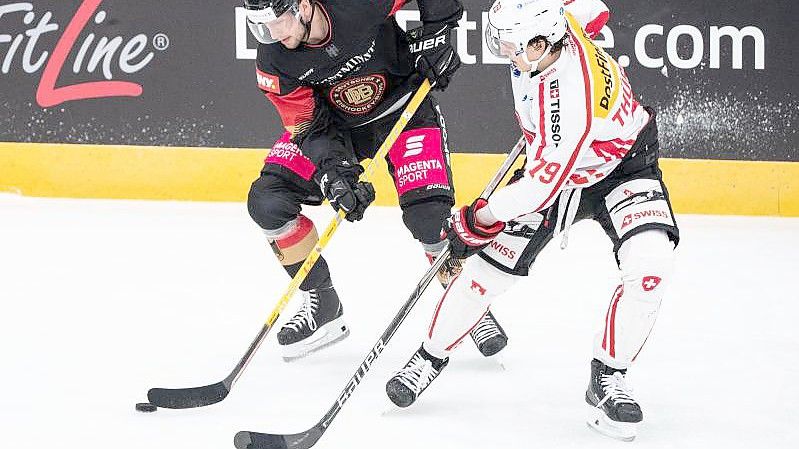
pixel 467 237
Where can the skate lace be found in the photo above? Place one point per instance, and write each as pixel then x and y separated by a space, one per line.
pixel 305 316
pixel 485 330
pixel 616 389
pixel 417 374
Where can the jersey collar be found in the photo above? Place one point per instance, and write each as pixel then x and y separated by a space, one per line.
pixel 329 37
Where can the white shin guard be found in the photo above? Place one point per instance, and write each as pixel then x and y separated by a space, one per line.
pixel 463 305
pixel 646 261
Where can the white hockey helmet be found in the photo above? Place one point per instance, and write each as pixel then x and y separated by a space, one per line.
pixel 513 23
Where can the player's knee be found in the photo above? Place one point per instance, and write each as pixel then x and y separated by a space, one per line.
pixel 646 261
pixel 270 210
pixel 424 218
pixel 481 282
pixel 293 241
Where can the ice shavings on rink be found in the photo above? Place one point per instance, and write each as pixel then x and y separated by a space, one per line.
pixel 102 300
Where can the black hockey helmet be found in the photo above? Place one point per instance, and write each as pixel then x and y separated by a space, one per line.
pixel 261 12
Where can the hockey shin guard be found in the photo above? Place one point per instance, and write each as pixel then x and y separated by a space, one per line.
pixel 463 305
pixel 646 261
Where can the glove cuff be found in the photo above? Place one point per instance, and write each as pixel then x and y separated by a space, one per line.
pixel 331 169
pixel 483 231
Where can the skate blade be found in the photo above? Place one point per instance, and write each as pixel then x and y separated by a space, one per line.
pixel 330 334
pixel 500 360
pixel 598 421
pixel 390 408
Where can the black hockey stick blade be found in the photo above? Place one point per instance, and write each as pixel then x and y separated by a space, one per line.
pixel 188 397
pixel 255 440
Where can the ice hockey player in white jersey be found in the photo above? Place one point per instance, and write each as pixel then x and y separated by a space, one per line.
pixel 592 153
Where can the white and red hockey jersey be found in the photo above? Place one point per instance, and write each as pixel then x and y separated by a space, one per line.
pixel 579 117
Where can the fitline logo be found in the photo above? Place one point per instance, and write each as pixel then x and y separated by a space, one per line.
pixel 47 94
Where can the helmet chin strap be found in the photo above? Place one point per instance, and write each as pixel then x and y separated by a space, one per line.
pixel 307 25
pixel 534 64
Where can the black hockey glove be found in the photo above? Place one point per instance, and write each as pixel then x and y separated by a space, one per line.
pixel 339 184
pixel 465 236
pixel 432 53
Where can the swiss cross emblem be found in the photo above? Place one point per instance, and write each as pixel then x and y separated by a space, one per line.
pixel 628 193
pixel 477 288
pixel 627 220
pixel 650 282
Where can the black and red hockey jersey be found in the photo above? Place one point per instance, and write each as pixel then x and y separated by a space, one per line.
pixel 360 73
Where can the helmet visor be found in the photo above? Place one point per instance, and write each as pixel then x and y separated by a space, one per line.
pixel 499 42
pixel 267 27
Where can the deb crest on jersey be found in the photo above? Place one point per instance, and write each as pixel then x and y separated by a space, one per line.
pixel 604 71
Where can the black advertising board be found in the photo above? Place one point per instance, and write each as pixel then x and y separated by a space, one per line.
pixel 180 73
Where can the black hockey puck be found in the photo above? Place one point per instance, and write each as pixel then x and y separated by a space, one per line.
pixel 145 407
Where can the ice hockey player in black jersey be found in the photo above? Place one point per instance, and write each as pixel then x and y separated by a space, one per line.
pixel 339 73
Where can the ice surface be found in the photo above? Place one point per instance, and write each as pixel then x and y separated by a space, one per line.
pixel 102 300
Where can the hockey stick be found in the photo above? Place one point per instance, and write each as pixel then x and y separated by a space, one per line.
pixel 304 440
pixel 211 394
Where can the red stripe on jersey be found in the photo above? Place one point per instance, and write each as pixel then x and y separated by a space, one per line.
pixel 623 142
pixel 588 118
pixel 578 179
pixel 397 5
pixel 295 108
pixel 303 227
pixel 608 150
pixel 595 26
pixel 541 123
pixel 529 136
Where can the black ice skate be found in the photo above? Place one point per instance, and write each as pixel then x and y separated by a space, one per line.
pixel 319 323
pixel 414 378
pixel 612 409
pixel 488 336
